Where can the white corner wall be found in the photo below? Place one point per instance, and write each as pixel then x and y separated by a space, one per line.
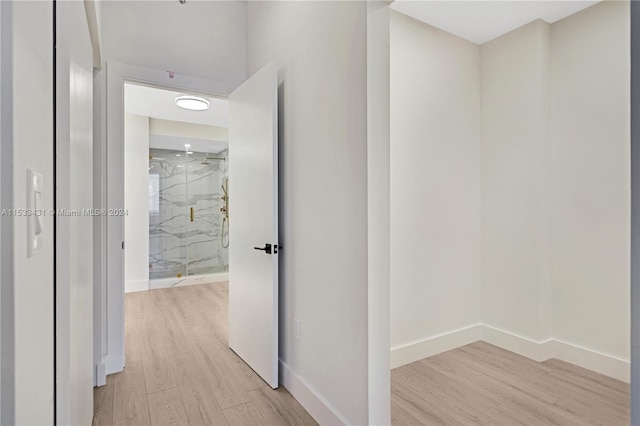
pixel 590 193
pixel 435 182
pixel 136 203
pixel 320 48
pixel 555 195
pixel 515 157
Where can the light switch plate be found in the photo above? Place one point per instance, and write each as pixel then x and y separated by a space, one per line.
pixel 297 325
pixel 35 217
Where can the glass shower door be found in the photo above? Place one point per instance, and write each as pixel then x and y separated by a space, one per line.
pixel 205 179
pixel 167 214
pixel 185 216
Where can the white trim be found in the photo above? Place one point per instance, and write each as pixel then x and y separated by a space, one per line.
pixel 378 213
pixel 599 362
pixel 93 19
pixel 543 350
pixel 100 226
pixel 532 349
pixel 424 348
pixel 7 322
pixel 138 285
pixel 185 281
pixel 101 375
pixel 316 405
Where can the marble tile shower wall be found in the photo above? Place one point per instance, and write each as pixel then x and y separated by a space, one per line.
pixel 178 246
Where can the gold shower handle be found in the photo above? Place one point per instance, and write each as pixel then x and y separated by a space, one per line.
pixel 191 214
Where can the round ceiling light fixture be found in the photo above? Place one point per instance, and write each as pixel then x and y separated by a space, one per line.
pixel 193 103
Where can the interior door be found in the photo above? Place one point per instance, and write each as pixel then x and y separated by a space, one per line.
pixel 253 223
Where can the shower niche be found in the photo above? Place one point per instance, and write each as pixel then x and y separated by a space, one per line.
pixel 188 214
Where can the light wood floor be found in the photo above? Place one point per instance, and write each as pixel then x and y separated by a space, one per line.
pixel 179 370
pixel 481 384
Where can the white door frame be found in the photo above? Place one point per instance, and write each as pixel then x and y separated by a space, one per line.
pixel 7 397
pixel 379 221
pixel 74 255
pixel 109 321
pixel 635 213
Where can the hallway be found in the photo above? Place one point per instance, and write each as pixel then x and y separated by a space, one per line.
pixel 179 369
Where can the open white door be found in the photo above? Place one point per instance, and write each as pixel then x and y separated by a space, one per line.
pixel 253 224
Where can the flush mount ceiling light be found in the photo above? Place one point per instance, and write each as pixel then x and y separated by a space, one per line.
pixel 193 103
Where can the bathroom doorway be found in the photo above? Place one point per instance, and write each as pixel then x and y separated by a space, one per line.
pixel 183 212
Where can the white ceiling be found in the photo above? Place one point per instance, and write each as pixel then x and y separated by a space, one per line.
pixel 480 21
pixel 160 103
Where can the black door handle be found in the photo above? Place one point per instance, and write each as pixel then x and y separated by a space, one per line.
pixel 266 248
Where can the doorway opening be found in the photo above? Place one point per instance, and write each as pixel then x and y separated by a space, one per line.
pixel 220 336
pixel 177 195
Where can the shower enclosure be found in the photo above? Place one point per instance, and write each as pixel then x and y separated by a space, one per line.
pixel 188 221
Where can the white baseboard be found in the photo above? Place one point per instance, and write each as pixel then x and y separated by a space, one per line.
pixel 310 399
pixel 532 349
pixel 608 365
pixel 188 280
pixel 414 351
pixel 133 286
pixel 100 375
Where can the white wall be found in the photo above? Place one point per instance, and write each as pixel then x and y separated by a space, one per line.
pixel 206 39
pixel 435 181
pixel 321 52
pixel 515 157
pixel 187 130
pixel 136 202
pixel 590 139
pixel 33 148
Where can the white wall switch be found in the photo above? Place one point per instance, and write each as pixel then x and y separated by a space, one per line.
pixel 296 329
pixel 35 216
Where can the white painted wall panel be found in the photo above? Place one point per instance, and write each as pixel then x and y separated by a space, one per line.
pixel 136 202
pixel 515 158
pixel 435 181
pixel 33 148
pixel 590 216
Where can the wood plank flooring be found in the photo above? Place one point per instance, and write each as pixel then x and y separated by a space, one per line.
pixel 481 384
pixel 180 371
